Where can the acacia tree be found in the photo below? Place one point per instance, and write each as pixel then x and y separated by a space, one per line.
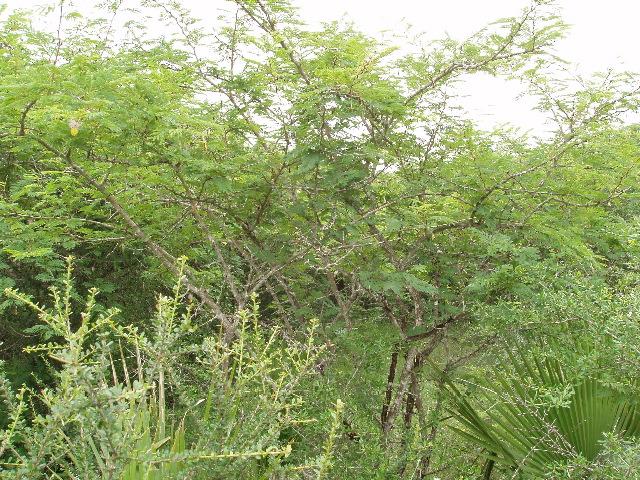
pixel 324 170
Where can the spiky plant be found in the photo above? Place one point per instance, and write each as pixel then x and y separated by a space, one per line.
pixel 539 417
pixel 99 419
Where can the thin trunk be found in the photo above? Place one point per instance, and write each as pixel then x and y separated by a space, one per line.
pixel 425 461
pixel 389 391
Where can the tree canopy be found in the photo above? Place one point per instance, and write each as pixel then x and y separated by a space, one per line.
pixel 321 175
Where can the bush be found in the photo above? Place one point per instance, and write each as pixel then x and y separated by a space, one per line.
pixel 128 404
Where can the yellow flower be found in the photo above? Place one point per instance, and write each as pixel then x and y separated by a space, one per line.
pixel 74 127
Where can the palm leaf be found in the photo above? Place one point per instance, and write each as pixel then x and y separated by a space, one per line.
pixel 522 430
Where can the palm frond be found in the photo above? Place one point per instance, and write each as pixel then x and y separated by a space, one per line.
pixel 524 430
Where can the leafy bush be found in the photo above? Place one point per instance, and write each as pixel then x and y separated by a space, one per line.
pixel 120 407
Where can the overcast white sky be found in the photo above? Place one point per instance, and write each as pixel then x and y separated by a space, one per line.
pixel 604 34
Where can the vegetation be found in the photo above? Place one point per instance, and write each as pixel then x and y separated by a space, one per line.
pixel 302 259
